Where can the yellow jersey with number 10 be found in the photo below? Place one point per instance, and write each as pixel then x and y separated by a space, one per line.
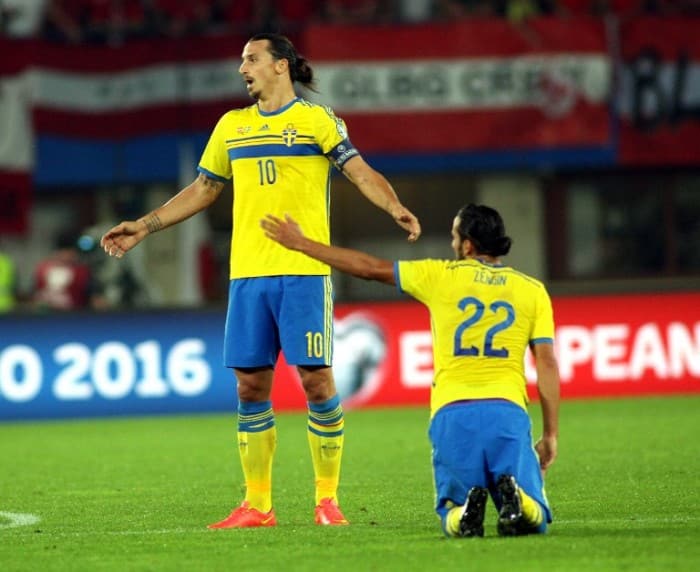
pixel 280 163
pixel 482 318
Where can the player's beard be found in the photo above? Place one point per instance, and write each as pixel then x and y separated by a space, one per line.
pixel 254 93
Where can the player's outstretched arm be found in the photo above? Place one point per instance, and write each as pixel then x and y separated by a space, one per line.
pixel 288 233
pixel 548 388
pixel 197 196
pixel 379 191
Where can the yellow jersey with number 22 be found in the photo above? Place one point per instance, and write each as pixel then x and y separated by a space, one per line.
pixel 482 317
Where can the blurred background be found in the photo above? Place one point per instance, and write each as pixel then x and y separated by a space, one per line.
pixel 578 119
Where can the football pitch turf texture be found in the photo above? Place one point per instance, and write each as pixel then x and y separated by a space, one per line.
pixel 136 494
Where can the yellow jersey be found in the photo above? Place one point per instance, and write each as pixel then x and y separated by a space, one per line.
pixel 280 163
pixel 483 317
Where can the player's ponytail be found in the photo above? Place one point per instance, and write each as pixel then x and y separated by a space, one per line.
pixel 282 48
pixel 303 73
pixel 484 227
pixel 501 246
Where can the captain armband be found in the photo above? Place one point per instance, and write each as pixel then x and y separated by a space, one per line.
pixel 342 153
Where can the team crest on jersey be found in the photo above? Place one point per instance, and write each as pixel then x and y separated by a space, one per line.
pixel 340 126
pixel 243 130
pixel 339 123
pixel 289 134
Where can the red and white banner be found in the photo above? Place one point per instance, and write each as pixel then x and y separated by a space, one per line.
pixel 16 140
pixel 471 86
pixel 660 92
pixel 606 346
pixel 139 89
pixel 468 86
pixel 464 87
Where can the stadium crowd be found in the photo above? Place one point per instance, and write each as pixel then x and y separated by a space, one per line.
pixel 116 21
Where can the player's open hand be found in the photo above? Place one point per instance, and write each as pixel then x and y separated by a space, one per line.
pixel 546 449
pixel 408 221
pixel 286 232
pixel 120 239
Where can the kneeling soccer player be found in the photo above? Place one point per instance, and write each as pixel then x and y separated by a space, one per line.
pixel 484 315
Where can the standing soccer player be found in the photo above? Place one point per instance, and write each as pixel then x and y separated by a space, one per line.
pixel 483 316
pixel 279 153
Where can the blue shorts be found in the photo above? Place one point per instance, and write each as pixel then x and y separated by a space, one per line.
pixel 292 314
pixel 474 442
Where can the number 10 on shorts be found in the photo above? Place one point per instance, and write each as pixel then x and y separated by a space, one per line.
pixel 314 344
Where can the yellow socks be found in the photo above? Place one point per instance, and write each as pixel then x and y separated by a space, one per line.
pixel 532 511
pixel 257 439
pixel 532 514
pixel 452 520
pixel 325 432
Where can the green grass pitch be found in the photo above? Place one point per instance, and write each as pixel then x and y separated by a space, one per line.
pixel 136 494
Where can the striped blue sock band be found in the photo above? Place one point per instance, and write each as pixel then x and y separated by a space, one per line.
pixel 326 414
pixel 255 416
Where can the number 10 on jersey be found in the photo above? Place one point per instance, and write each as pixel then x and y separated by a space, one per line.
pixel 267 172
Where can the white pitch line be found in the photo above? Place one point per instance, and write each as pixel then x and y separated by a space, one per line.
pixel 17 519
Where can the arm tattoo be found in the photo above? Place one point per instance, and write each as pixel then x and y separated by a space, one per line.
pixel 153 223
pixel 210 184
